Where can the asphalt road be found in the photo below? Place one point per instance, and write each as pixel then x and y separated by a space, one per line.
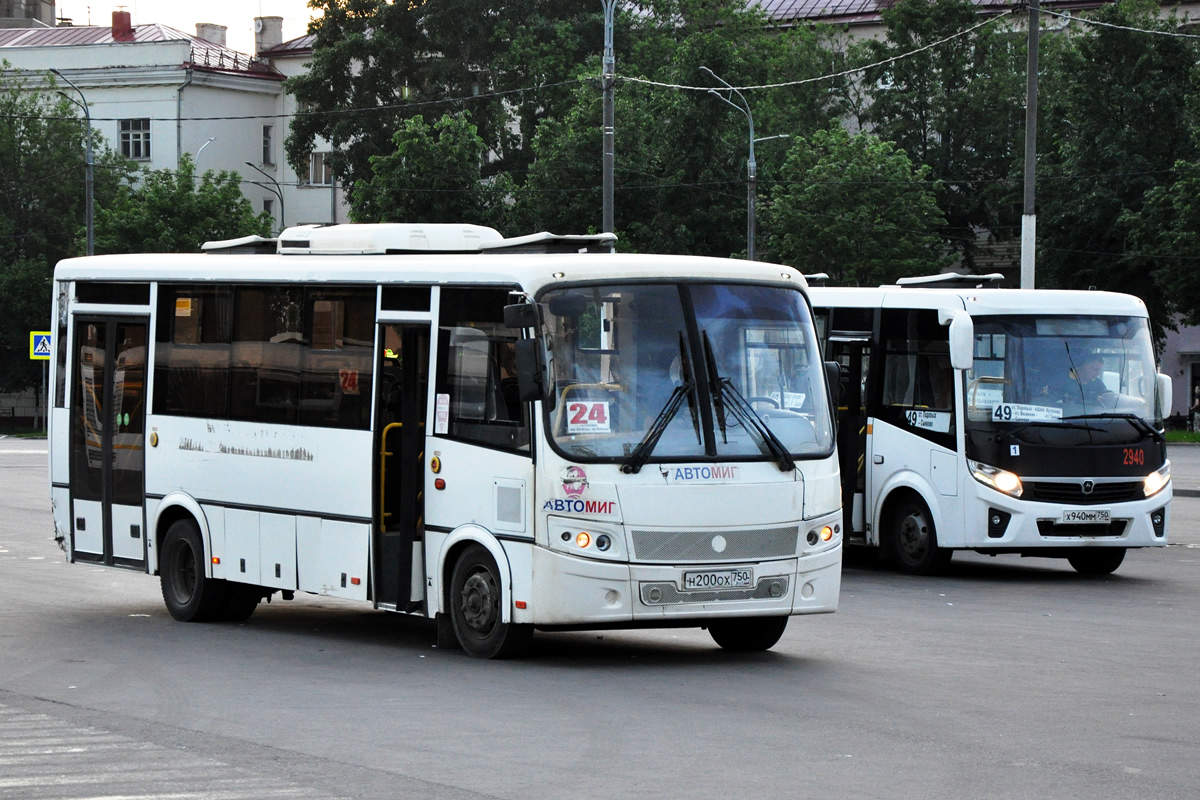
pixel 1009 678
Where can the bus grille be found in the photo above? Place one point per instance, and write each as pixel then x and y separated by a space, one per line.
pixel 668 594
pixel 1072 492
pixel 748 544
pixel 1048 527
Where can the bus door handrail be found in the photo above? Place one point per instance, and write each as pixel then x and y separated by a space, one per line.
pixel 384 453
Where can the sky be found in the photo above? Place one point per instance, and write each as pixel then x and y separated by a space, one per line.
pixel 236 15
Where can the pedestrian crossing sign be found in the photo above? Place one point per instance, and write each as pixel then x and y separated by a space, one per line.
pixel 40 345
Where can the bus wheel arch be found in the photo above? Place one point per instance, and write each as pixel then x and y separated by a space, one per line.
pixel 190 595
pixel 476 598
pixel 171 509
pixel 911 534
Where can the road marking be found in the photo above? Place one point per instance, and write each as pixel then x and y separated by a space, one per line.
pixel 43 756
pixel 4 452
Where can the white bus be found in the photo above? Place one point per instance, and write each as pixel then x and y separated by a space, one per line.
pixel 501 434
pixel 999 421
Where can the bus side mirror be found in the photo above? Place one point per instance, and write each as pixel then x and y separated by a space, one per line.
pixel 1164 387
pixel 962 337
pixel 833 374
pixel 529 369
pixel 521 315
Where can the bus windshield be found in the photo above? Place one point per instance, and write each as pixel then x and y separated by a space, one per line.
pixel 1063 379
pixel 685 372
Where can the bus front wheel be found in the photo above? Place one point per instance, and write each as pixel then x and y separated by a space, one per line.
pixel 1097 562
pixel 914 539
pixel 750 634
pixel 190 596
pixel 476 592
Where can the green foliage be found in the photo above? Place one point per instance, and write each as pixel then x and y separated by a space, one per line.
pixel 854 207
pixel 433 175
pixel 957 108
pixel 372 70
pixel 1115 125
pixel 680 167
pixel 173 211
pixel 42 198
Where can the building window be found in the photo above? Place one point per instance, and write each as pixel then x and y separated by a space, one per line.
pixel 134 137
pixel 269 206
pixel 267 155
pixel 319 171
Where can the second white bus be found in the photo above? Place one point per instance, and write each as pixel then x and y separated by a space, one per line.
pixel 1000 421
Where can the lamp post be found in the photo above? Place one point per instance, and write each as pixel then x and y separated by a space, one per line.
pixel 277 191
pixel 751 166
pixel 608 78
pixel 196 160
pixel 89 215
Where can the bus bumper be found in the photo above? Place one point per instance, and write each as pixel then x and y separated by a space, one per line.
pixel 1000 522
pixel 578 592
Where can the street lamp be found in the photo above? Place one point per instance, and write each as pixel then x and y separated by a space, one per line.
pixel 277 191
pixel 751 166
pixel 89 216
pixel 607 81
pixel 196 160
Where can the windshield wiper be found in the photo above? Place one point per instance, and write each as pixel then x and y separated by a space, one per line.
pixel 1049 423
pixel 725 395
pixel 1139 424
pixel 641 454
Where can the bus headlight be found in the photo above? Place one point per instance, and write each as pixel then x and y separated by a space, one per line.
pixel 1156 480
pixel 999 479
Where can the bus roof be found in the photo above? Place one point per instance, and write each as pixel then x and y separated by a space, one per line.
pixel 531 271
pixel 983 302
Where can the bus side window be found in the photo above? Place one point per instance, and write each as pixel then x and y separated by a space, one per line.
pixel 193 334
pixel 918 381
pixel 476 369
pixel 336 361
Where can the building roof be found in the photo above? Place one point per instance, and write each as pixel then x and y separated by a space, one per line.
pixel 300 46
pixel 204 55
pixel 850 12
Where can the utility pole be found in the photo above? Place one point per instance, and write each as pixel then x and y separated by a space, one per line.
pixel 608 78
pixel 1028 216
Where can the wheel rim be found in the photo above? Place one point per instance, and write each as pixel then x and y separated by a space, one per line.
pixel 913 536
pixel 479 602
pixel 183 572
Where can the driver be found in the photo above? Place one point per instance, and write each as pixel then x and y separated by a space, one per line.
pixel 1090 385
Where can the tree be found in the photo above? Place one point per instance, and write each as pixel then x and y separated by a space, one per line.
pixel 1116 125
pixel 681 154
pixel 376 64
pixel 42 194
pixel 434 175
pixel 957 108
pixel 173 211
pixel 854 207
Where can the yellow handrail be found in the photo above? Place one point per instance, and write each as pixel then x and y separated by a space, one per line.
pixel 383 456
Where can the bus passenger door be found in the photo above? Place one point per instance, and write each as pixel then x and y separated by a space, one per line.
pixel 399 469
pixel 854 357
pixel 108 423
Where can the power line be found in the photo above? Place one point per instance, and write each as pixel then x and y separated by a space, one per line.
pixel 1098 23
pixel 831 76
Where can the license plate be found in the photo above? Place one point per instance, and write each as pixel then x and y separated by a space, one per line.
pixel 719 579
pixel 1081 516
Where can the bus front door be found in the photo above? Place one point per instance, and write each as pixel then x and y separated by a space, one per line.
pixel 108 423
pixel 400 464
pixel 854 356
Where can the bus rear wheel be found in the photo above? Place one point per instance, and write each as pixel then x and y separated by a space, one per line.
pixel 749 634
pixel 914 539
pixel 476 592
pixel 1097 562
pixel 190 596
